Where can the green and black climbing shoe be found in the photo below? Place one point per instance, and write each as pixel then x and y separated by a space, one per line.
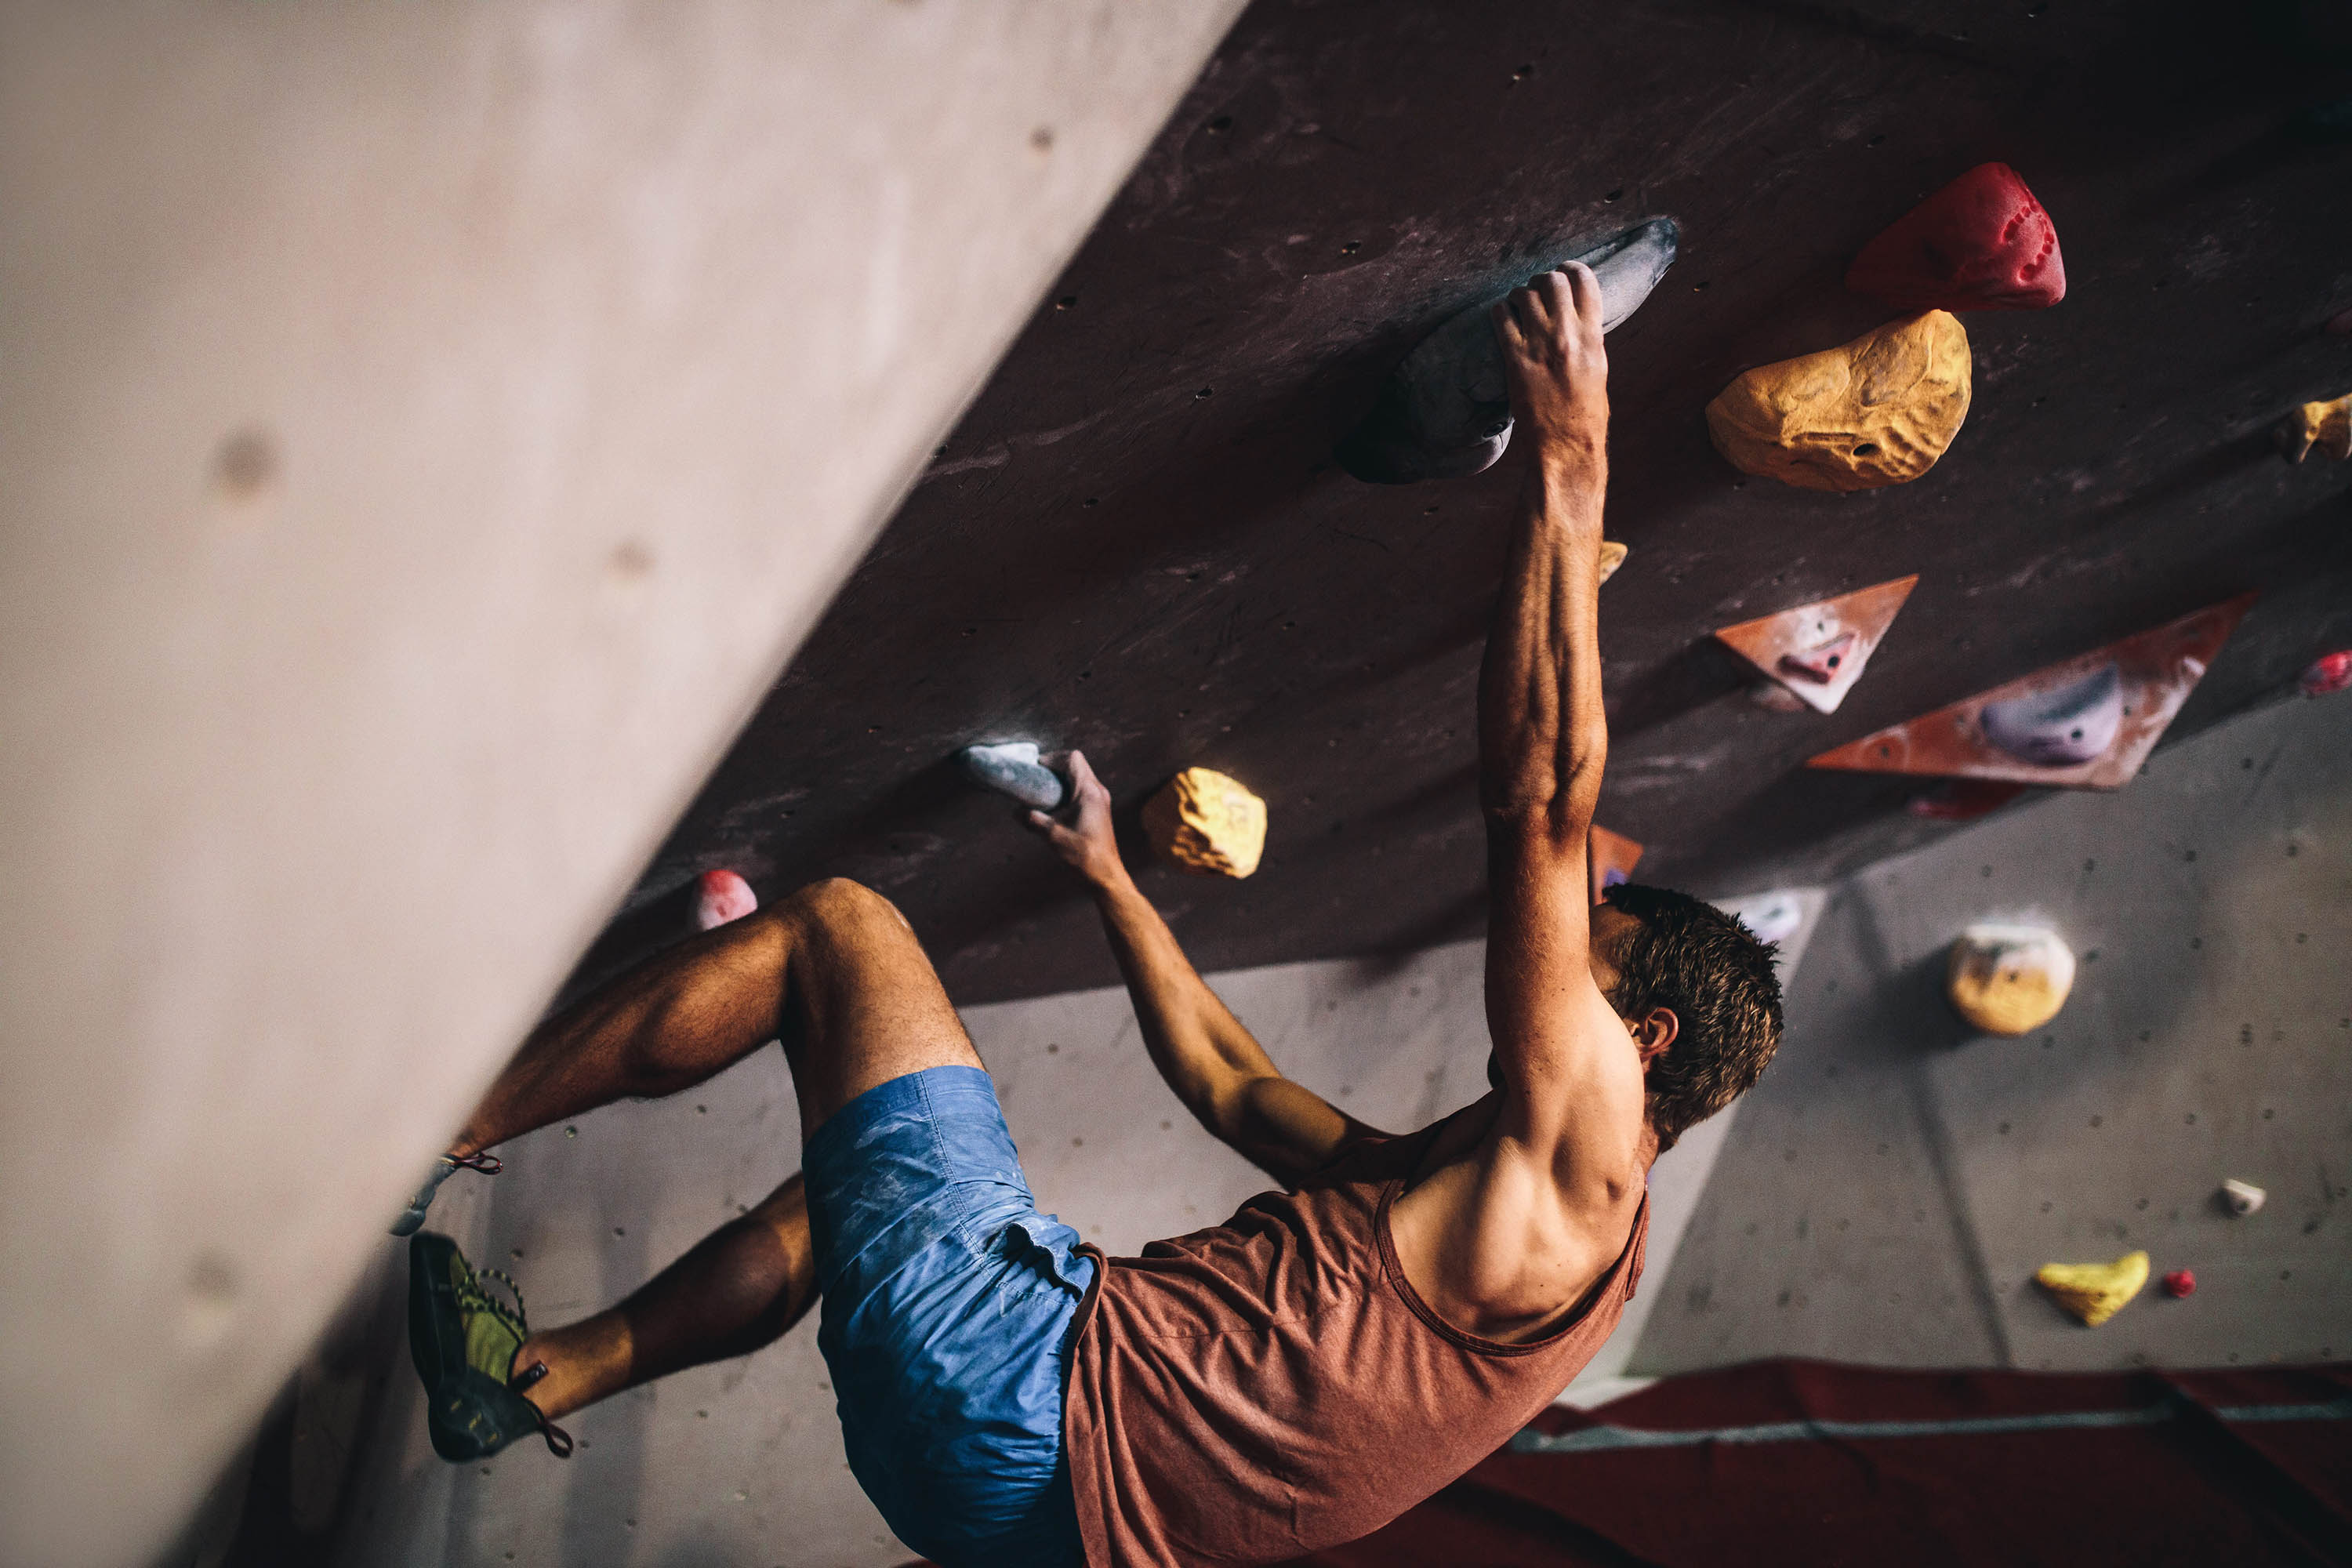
pixel 464 1341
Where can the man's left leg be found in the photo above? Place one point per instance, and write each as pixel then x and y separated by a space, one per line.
pixel 738 1288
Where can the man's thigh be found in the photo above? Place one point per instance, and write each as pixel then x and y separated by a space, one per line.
pixel 865 1005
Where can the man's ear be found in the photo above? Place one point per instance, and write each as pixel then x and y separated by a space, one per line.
pixel 1653 1032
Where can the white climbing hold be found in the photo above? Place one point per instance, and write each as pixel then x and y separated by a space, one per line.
pixel 2008 979
pixel 1010 767
pixel 2244 1197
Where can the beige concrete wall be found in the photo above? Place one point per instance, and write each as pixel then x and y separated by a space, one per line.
pixel 427 427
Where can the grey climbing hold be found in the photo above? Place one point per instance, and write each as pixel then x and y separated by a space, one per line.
pixel 2062 728
pixel 1445 412
pixel 1012 768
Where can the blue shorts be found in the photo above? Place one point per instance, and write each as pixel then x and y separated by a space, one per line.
pixel 947 1304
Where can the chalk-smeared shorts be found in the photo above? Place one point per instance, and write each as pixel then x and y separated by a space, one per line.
pixel 947 1304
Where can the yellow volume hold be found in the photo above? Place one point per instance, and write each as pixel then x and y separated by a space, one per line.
pixel 2094 1291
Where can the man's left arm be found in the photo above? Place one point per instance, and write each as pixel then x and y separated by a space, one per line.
pixel 1573 1090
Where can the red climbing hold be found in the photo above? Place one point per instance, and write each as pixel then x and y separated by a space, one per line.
pixel 1610 858
pixel 2178 1283
pixel 2329 673
pixel 1981 243
pixel 722 895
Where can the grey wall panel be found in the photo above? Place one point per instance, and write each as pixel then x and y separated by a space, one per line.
pixel 1895 1181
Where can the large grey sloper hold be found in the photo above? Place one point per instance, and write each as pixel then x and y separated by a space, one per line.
pixel 2062 728
pixel 1012 768
pixel 1445 412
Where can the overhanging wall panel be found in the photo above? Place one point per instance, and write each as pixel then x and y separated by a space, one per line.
pixel 429 428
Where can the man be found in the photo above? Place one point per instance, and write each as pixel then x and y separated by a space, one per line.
pixel 1291 1379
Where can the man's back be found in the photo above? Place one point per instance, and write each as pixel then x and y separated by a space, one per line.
pixel 1275 1384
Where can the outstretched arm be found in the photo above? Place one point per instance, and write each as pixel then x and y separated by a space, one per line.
pixel 1543 736
pixel 1215 1065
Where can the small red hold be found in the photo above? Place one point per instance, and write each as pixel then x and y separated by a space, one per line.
pixel 1981 243
pixel 1820 665
pixel 2329 673
pixel 2178 1283
pixel 1964 800
pixel 722 895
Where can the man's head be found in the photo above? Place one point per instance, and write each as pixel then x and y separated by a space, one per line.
pixel 1657 951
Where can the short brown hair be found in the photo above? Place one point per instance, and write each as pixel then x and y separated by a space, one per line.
pixel 1719 981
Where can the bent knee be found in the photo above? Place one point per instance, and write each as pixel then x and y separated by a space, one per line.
pixel 840 904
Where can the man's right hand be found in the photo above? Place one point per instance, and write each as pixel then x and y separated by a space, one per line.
pixel 1086 841
pixel 1552 352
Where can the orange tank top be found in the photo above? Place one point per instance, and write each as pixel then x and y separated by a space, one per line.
pixel 1272 1386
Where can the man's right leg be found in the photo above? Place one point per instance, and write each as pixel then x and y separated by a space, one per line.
pixel 837 973
pixel 834 971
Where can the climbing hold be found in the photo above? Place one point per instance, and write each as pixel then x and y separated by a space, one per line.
pixel 1816 652
pixel 1964 800
pixel 1613 556
pixel 2326 425
pixel 2063 727
pixel 1446 411
pixel 1012 768
pixel 2023 732
pixel 2180 1283
pixel 2244 1197
pixel 1610 858
pixel 2094 1291
pixel 721 897
pixel 1981 243
pixel 1875 412
pixel 2008 979
pixel 1774 917
pixel 2328 674
pixel 1208 823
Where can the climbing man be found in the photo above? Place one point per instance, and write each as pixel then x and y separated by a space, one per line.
pixel 1293 1378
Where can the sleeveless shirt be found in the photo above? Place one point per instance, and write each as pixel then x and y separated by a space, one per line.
pixel 1274 1385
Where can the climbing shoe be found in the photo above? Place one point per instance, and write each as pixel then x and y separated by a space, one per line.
pixel 463 1341
pixel 413 1217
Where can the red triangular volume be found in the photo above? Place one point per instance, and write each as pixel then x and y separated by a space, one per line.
pixel 1611 857
pixel 2087 724
pixel 1981 243
pixel 1817 650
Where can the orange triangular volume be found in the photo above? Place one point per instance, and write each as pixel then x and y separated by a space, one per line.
pixel 2087 724
pixel 1817 650
pixel 1611 857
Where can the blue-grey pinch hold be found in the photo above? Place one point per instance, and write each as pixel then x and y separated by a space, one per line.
pixel 1012 768
pixel 1445 412
pixel 444 1166
pixel 2062 728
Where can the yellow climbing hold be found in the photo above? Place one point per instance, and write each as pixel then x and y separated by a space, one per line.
pixel 1613 556
pixel 1208 823
pixel 1877 411
pixel 2008 979
pixel 2095 1291
pixel 2326 426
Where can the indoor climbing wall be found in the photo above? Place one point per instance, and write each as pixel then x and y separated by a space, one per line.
pixel 2068 267
pixel 1897 1178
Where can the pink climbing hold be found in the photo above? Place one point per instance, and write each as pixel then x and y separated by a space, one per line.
pixel 2178 1283
pixel 723 896
pixel 2329 673
pixel 1981 243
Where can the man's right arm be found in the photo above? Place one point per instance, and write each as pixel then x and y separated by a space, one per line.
pixel 1215 1065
